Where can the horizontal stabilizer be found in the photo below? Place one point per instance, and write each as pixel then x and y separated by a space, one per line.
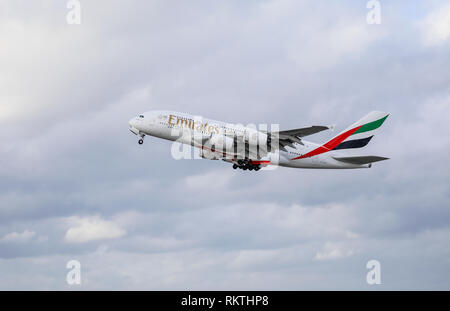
pixel 360 159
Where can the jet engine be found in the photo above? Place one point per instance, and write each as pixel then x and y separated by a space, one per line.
pixel 208 154
pixel 257 140
pixel 221 143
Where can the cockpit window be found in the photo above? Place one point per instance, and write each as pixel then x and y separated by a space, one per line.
pixel 141 116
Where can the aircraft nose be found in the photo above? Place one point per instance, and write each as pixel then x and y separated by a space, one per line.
pixel 132 122
pixel 133 128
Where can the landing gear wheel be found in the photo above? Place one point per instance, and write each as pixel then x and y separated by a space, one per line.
pixel 245 168
pixel 141 141
pixel 235 166
pixel 250 168
pixel 257 168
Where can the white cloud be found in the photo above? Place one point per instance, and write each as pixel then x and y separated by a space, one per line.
pixel 334 251
pixel 18 237
pixel 436 26
pixel 329 46
pixel 92 228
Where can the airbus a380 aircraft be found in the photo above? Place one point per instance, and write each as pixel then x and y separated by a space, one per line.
pixel 250 149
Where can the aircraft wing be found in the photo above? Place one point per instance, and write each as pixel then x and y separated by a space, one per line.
pixel 304 131
pixel 289 137
pixel 285 138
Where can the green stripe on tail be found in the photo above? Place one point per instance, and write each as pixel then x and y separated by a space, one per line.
pixel 370 126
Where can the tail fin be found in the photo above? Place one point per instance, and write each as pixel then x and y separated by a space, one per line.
pixel 358 134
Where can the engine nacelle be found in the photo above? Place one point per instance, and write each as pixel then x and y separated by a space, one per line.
pixel 208 154
pixel 258 140
pixel 255 138
pixel 221 143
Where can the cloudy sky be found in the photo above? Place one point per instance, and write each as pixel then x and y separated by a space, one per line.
pixel 74 184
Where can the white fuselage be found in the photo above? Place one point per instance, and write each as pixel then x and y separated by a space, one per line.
pixel 172 126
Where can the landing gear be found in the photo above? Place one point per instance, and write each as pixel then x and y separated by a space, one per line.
pixel 141 141
pixel 246 165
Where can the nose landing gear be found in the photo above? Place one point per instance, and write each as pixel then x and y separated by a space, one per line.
pixel 141 141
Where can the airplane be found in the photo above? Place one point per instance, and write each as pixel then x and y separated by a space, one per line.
pixel 248 148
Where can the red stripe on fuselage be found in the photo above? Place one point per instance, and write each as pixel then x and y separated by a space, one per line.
pixel 260 162
pixel 329 145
